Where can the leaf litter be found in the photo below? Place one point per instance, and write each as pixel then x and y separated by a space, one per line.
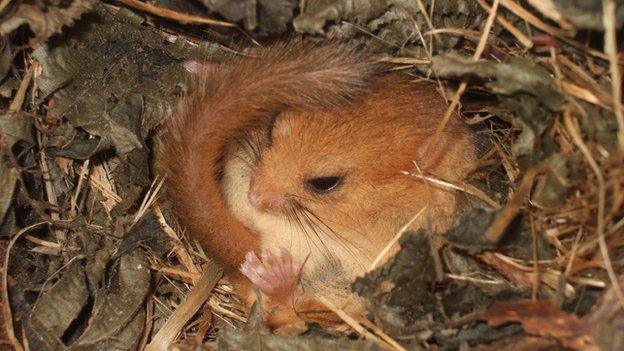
pixel 95 262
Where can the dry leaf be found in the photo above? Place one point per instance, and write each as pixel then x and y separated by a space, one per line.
pixel 43 17
pixel 541 318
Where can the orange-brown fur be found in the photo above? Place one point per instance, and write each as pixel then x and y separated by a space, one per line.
pixel 334 113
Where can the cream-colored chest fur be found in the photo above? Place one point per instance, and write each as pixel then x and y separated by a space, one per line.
pixel 332 260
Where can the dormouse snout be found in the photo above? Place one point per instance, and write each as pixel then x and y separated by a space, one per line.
pixel 264 198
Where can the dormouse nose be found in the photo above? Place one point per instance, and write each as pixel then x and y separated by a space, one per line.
pixel 264 198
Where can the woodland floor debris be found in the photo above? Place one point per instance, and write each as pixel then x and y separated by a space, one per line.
pixel 95 262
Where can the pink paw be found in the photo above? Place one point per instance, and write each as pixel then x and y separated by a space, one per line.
pixel 275 276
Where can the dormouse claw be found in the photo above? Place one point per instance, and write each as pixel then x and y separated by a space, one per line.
pixel 276 276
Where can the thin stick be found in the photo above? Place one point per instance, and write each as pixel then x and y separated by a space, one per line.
pixel 463 187
pixel 185 311
pixel 535 281
pixel 81 177
pixel 20 95
pixel 473 280
pixel 149 323
pixel 8 316
pixel 423 11
pixel 602 242
pixel 549 10
pixel 173 15
pixel 464 83
pixel 180 250
pixel 382 255
pixel 148 200
pixel 358 327
pixel 522 38
pixel 59 235
pixel 610 45
pixel 387 338
pixel 507 214
pixel 4 4
pixel 521 12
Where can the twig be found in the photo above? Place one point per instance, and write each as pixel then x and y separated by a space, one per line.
pixel 577 73
pixel 535 281
pixel 463 187
pixel 20 95
pixel 377 330
pixel 185 311
pixel 8 316
pixel 148 200
pixel 74 199
pixel 180 250
pixel 507 214
pixel 4 4
pixel 384 253
pixel 522 38
pixel 549 9
pixel 49 187
pixel 521 12
pixel 610 47
pixel 173 15
pixel 405 60
pixel 359 328
pixel 602 243
pixel 464 83
pixel 427 17
pixel 149 323
pixel 473 280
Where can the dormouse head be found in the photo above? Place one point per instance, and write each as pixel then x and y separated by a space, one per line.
pixel 346 167
pixel 334 170
pixel 295 168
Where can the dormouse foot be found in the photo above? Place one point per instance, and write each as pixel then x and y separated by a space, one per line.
pixel 275 276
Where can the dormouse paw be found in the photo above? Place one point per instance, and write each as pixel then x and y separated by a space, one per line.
pixel 276 276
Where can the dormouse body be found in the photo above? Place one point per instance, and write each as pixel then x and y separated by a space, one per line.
pixel 304 150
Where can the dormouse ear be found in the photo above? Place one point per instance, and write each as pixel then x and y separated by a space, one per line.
pixel 197 67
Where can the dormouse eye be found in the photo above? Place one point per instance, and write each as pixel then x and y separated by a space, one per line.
pixel 323 185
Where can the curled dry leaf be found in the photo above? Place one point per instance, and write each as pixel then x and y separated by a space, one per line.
pixel 44 17
pixel 319 12
pixel 118 316
pixel 261 16
pixel 578 14
pixel 526 89
pixel 541 318
pixel 57 308
pixel 114 321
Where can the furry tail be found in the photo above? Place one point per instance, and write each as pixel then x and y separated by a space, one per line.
pixel 232 97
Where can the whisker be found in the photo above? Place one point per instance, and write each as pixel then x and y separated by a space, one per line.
pixel 340 212
pixel 349 246
pixel 327 254
pixel 294 218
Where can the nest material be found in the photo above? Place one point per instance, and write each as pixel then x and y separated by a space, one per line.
pixel 93 260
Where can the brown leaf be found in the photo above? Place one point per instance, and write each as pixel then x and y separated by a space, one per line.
pixel 540 318
pixel 43 18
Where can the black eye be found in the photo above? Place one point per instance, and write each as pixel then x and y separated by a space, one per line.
pixel 323 185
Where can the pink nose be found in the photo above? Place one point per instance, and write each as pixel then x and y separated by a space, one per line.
pixel 263 200
pixel 256 200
